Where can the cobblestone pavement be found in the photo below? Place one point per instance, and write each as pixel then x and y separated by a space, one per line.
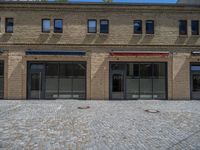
pixel 106 125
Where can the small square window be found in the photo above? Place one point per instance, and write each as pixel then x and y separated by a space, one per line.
pixel 195 27
pixel 58 25
pixel 104 26
pixel 46 25
pixel 137 26
pixel 92 26
pixel 183 27
pixel 149 27
pixel 9 25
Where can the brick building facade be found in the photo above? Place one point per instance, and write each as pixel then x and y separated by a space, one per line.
pixel 129 61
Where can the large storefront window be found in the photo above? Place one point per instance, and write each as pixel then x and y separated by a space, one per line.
pixel 142 80
pixel 1 79
pixel 58 80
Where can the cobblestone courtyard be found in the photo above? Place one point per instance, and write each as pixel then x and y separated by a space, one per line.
pixel 106 125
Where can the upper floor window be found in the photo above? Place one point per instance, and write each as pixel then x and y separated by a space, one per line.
pixel 46 25
pixel 58 25
pixel 104 26
pixel 149 27
pixel 137 26
pixel 183 27
pixel 9 25
pixel 195 27
pixel 92 26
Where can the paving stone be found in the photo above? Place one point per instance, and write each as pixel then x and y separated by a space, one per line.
pixel 106 125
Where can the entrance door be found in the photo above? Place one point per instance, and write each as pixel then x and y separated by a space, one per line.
pixel 36 81
pixel 195 85
pixel 117 85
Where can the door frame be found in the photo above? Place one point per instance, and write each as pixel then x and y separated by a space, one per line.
pixel 191 73
pixel 29 79
pixel 111 83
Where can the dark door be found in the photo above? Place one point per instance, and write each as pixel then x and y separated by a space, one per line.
pixel 195 85
pixel 36 81
pixel 117 85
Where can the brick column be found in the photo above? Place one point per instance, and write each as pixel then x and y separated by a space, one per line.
pixel 15 76
pixel 99 76
pixel 181 77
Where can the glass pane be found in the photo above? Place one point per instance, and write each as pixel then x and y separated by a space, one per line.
pixel 118 66
pixel 117 81
pixel 92 26
pixel 196 82
pixel 132 88
pixel 182 27
pixel 137 26
pixel 195 27
pixel 104 26
pixel 146 70
pixel 1 69
pixel 66 70
pixel 159 70
pixel 37 66
pixel 36 85
pixel 65 87
pixel 133 70
pixel 195 68
pixel 146 88
pixel 9 25
pixel 46 25
pixel 51 89
pixel 79 69
pixel 159 88
pixel 1 87
pixel 79 85
pixel 52 69
pixel 58 26
pixel 150 27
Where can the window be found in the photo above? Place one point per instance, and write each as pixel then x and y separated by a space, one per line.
pixel 104 26
pixel 195 27
pixel 46 25
pixel 92 26
pixel 58 25
pixel 149 27
pixel 9 25
pixel 137 26
pixel 183 27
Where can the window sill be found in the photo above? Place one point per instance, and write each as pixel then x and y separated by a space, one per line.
pixel 134 34
pixel 103 34
pixel 183 36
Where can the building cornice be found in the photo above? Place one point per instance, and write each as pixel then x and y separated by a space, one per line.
pixel 34 6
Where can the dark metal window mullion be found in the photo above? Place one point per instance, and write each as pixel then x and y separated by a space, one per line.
pixel 152 76
pixel 58 80
pixel 139 81
pixel 72 80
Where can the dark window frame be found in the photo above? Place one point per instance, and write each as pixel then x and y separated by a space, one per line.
pixel 147 32
pixel 186 29
pixel 165 77
pixel 107 25
pixel 42 25
pixel 6 25
pixel 88 31
pixel 134 31
pixel 55 24
pixel 197 32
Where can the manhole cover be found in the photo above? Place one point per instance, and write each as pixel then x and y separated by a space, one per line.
pixel 84 107
pixel 152 111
